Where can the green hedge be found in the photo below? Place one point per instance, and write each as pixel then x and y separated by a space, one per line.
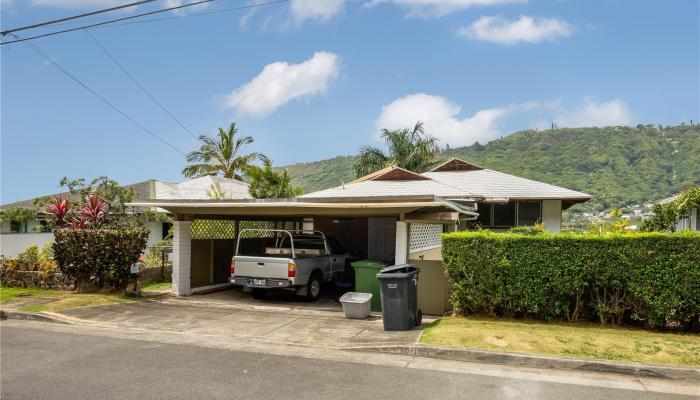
pixel 652 279
pixel 98 257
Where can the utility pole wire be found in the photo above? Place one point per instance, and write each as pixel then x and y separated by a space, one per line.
pixel 108 22
pixel 21 28
pixel 86 87
pixel 162 107
pixel 224 10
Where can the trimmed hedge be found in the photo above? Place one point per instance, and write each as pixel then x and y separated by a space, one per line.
pixel 651 279
pixel 98 257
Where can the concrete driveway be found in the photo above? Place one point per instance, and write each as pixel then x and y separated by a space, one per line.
pixel 228 313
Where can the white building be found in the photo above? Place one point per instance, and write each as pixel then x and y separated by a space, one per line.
pixel 16 236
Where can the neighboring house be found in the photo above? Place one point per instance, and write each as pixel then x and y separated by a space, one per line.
pixel 689 220
pixel 393 215
pixel 16 236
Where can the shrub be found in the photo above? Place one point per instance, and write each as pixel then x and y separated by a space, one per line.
pixel 652 279
pixel 29 257
pixel 98 257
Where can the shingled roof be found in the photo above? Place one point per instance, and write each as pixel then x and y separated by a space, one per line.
pixel 453 179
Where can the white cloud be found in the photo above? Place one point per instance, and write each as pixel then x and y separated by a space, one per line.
pixel 593 113
pixel 320 10
pixel 79 3
pixel 281 82
pixel 183 11
pixel 441 119
pixel 525 29
pixel 439 8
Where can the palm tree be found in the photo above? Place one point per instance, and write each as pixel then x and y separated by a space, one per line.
pixel 409 149
pixel 221 156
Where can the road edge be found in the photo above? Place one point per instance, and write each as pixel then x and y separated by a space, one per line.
pixel 537 361
pixel 27 316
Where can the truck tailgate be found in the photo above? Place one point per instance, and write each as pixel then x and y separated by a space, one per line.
pixel 261 267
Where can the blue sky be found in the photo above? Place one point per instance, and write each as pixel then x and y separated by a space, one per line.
pixel 312 79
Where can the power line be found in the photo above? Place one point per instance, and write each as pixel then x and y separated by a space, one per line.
pixel 162 107
pixel 3 33
pixel 94 93
pixel 108 22
pixel 224 10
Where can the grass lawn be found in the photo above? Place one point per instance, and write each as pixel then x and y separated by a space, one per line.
pixel 61 300
pixel 157 287
pixel 559 339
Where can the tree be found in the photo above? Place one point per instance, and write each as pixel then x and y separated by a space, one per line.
pixel 221 155
pixel 107 190
pixel 666 217
pixel 409 149
pixel 268 183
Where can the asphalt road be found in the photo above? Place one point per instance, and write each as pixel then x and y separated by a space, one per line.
pixel 43 364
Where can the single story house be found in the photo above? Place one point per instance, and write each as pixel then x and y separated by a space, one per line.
pixel 16 236
pixel 689 220
pixel 392 215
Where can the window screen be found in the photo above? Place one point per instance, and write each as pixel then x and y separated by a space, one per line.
pixel 529 213
pixel 504 214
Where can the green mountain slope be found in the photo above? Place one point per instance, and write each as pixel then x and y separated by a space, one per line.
pixel 618 166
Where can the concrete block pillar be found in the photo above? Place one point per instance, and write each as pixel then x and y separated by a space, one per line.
pixel 551 215
pixel 182 255
pixel 307 224
pixel 401 253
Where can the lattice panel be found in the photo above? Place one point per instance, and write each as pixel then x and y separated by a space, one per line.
pixel 424 237
pixel 257 225
pixel 213 229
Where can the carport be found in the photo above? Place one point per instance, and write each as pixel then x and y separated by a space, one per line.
pixel 395 228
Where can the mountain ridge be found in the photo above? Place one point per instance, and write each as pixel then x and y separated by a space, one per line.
pixel 618 165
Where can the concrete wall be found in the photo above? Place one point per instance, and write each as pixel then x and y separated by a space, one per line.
pixel 11 244
pixel 433 287
pixel 551 215
pixel 156 233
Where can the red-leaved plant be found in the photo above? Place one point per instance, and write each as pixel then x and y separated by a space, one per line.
pixel 95 211
pixel 92 215
pixel 59 209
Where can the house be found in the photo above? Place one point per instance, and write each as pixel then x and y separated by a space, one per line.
pixel 393 215
pixel 689 220
pixel 17 235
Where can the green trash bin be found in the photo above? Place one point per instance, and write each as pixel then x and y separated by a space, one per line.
pixel 366 280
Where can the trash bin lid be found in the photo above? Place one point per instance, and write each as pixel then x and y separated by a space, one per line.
pixel 398 271
pixel 371 264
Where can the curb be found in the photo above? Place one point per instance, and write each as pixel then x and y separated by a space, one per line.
pixel 30 317
pixel 537 361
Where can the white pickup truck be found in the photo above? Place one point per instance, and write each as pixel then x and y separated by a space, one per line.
pixel 295 260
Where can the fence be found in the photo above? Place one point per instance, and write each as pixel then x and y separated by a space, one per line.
pixel 157 263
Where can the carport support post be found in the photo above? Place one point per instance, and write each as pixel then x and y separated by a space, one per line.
pixel 401 252
pixel 182 254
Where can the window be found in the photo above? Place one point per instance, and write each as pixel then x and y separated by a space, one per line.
pixel 529 213
pixel 335 246
pixel 18 227
pixel 504 215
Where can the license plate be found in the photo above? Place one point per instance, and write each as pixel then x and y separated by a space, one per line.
pixel 260 282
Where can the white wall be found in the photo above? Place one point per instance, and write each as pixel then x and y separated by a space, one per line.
pixel 11 244
pixel 551 215
pixel 156 233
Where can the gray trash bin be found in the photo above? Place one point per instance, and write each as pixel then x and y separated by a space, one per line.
pixel 398 287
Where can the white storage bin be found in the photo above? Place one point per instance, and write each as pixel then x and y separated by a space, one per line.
pixel 356 305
